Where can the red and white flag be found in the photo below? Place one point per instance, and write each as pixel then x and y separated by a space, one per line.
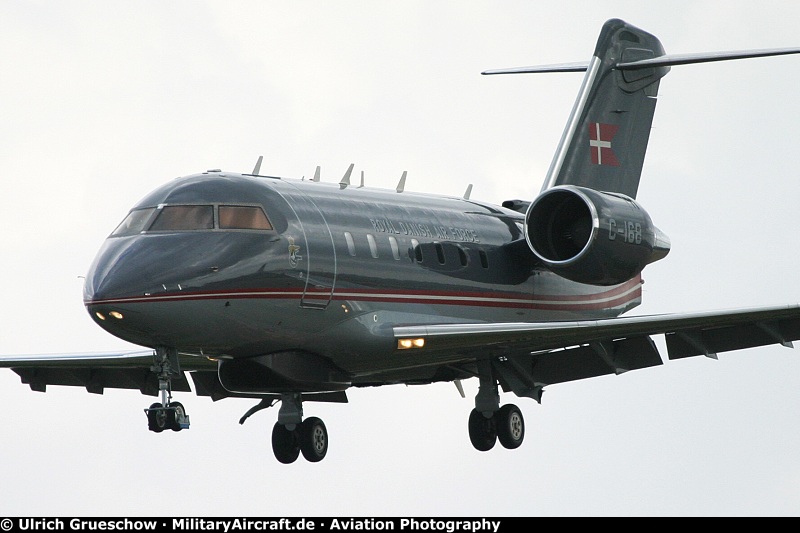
pixel 600 137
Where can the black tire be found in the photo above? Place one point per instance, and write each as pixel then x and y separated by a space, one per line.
pixel 156 420
pixel 284 444
pixel 313 439
pixel 176 415
pixel 510 426
pixel 482 431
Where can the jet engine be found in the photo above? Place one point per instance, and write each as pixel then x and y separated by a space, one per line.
pixel 592 237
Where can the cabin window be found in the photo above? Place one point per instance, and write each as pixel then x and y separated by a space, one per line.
pixel 373 246
pixel 484 259
pixel 134 223
pixel 351 245
pixel 439 252
pixel 416 250
pixel 462 256
pixel 243 217
pixel 395 248
pixel 184 218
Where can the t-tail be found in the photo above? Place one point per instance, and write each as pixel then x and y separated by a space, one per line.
pixel 585 225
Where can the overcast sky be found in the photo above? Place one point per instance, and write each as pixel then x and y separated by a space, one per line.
pixel 104 101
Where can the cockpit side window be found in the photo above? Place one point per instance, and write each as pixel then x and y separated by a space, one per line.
pixel 184 218
pixel 134 223
pixel 243 217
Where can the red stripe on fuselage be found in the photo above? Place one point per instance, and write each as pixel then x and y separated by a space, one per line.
pixel 608 299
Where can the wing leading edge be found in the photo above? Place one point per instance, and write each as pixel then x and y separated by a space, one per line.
pixel 99 371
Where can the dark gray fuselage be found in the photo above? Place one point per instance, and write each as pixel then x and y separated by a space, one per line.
pixel 338 270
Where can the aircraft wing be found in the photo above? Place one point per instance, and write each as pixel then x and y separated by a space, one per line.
pixel 528 356
pixel 98 371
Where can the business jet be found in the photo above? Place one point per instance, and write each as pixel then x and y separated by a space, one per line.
pixel 288 291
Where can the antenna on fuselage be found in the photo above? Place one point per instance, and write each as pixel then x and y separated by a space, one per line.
pixel 346 178
pixel 362 180
pixel 316 175
pixel 402 184
pixel 257 168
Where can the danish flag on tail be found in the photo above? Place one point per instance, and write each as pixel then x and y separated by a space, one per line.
pixel 600 137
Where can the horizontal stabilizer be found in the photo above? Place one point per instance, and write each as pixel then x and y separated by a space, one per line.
pixel 687 59
pixel 662 61
pixel 561 67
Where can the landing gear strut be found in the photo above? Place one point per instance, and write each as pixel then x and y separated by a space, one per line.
pixel 489 422
pixel 166 414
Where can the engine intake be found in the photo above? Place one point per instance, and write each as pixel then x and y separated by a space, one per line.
pixel 592 237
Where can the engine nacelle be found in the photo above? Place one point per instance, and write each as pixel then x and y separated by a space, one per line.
pixel 592 237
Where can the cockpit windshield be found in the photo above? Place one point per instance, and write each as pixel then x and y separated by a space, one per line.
pixel 184 218
pixel 134 223
pixel 242 217
pixel 193 218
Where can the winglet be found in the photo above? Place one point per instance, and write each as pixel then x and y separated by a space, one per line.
pixel 402 184
pixel 362 180
pixel 468 192
pixel 316 175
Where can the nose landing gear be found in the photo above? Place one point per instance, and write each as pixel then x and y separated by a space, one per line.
pixel 172 417
pixel 166 414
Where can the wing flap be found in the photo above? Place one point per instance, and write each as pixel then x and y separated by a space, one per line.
pixel 527 375
pixel 96 380
pixel 710 341
pixel 596 359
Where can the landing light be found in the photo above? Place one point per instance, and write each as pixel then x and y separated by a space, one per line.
pixel 408 344
pixel 99 315
pixel 116 314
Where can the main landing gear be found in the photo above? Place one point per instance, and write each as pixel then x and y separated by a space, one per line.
pixel 489 422
pixel 505 425
pixel 291 435
pixel 166 414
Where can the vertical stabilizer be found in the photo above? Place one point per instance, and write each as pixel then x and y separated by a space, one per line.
pixel 605 140
pixel 604 143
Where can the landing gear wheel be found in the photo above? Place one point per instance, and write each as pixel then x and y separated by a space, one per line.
pixel 510 426
pixel 157 418
pixel 284 444
pixel 482 431
pixel 313 439
pixel 176 416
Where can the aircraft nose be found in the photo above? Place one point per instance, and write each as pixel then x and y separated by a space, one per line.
pixel 104 280
pixel 142 265
pixel 134 266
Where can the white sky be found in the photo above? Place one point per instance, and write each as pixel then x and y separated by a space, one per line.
pixel 102 102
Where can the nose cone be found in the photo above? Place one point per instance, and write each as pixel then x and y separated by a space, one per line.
pixel 131 274
pixel 141 265
pixel 106 278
